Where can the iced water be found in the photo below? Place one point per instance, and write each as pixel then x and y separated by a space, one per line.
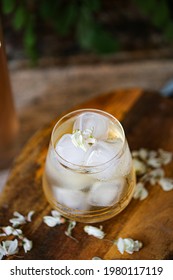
pixel 98 176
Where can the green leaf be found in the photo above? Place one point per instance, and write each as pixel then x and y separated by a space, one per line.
pixel 29 34
pixel 49 9
pixel 161 14
pixel 8 6
pixel 92 37
pixel 85 31
pixel 65 19
pixel 146 6
pixel 30 40
pixel 168 32
pixel 93 5
pixel 20 18
pixel 104 43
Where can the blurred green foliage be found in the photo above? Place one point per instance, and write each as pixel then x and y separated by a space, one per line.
pixel 64 17
pixel 159 14
pixel 78 17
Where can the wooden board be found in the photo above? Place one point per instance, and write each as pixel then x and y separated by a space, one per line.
pixel 148 122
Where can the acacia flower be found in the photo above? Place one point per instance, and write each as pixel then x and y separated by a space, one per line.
pixel 10 247
pixel 140 191
pixel 11 231
pixel 20 219
pixel 27 244
pixel 128 245
pixel 166 184
pixel 55 219
pixel 83 139
pixel 2 252
pixel 96 232
pixel 139 166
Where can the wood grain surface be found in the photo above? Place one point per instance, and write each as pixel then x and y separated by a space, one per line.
pixel 147 119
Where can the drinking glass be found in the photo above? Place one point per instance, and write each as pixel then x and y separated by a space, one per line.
pixel 88 175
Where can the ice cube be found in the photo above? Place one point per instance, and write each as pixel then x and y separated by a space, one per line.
pixel 61 176
pixel 68 151
pixel 99 124
pixel 119 166
pixel 76 200
pixel 103 153
pixel 106 193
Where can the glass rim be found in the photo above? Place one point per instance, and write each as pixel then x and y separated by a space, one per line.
pixel 77 167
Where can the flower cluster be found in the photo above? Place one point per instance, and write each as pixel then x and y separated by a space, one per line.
pixel 55 219
pixel 11 247
pixel 128 245
pixel 83 139
pixel 149 169
pixel 97 232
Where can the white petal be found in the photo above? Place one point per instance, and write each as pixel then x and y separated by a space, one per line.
pixel 154 162
pixel 157 173
pixel 50 221
pixel 135 154
pixel 120 245
pixel 19 216
pixel 27 244
pixel 137 245
pixel 129 245
pixel 140 191
pixel 143 153
pixel 139 166
pixel 96 259
pixel 96 232
pixel 12 231
pixel 18 220
pixel 17 232
pixel 166 157
pixel 2 252
pixel 53 221
pixel 55 213
pixel 154 176
pixel 166 184
pixel 13 247
pixel 78 140
pixel 29 216
pixel 152 154
pixel 10 246
pixel 8 230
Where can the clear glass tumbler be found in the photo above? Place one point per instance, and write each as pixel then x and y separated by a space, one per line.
pixel 88 174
